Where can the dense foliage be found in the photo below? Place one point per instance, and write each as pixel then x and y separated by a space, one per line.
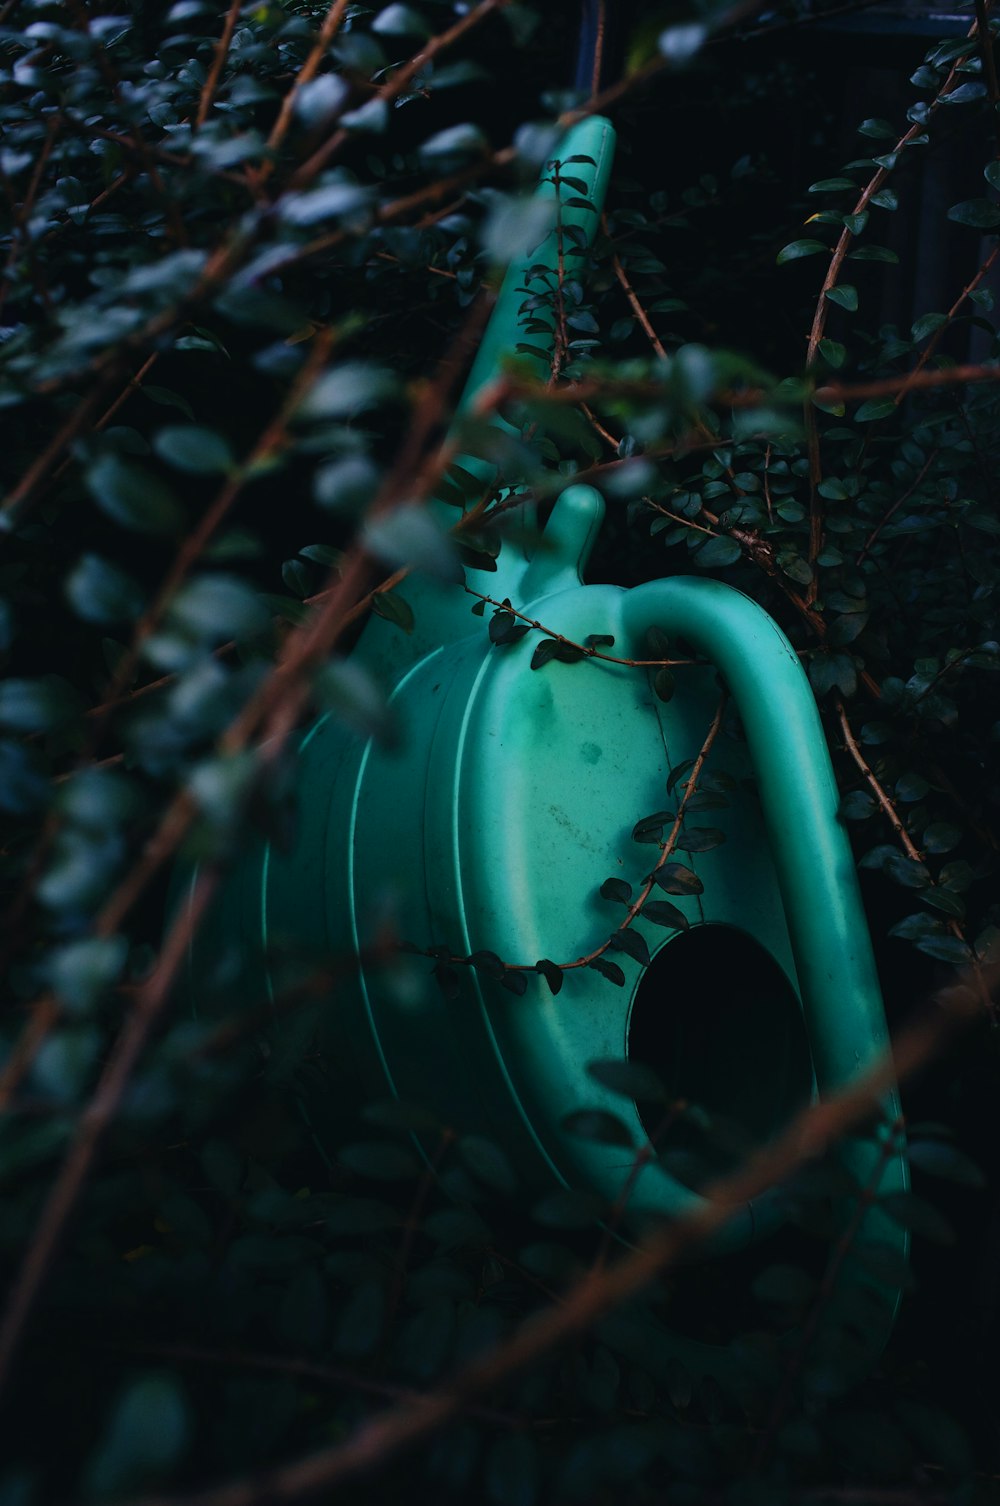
pixel 247 254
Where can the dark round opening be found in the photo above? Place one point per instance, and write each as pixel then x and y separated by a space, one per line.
pixel 717 1020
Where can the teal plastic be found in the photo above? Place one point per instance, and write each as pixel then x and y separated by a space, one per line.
pixel 511 797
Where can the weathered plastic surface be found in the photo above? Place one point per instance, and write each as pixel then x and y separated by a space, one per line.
pixel 510 799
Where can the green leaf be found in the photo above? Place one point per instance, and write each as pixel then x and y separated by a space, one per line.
pixel 99 591
pixel 833 185
pixel 791 563
pixel 796 249
pixel 146 1438
pixel 833 353
pixel 946 949
pixel 456 143
pixel 347 689
pixel 632 944
pixel 409 536
pixel 597 1124
pixel 347 485
pixel 395 609
pixel 941 836
pixel 609 970
pixel 347 390
pixel 37 705
pixel 678 44
pixel 857 806
pixel 716 554
pixel 552 973
pixel 617 889
pixel 926 325
pixel 361 1320
pixel 80 972
pixel 505 628
pixel 700 838
pixel 664 684
pixel 188 447
pixel 939 1159
pixel 874 409
pixel 488 1162
pixel 833 672
pixel 674 878
pixel 982 214
pixel 650 828
pixel 515 226
pixel 400 21
pixel 663 914
pixel 873 253
pixel 845 295
pixel 371 118
pixel 920 1217
pixel 567 1208
pixel 214 608
pixel 880 129
pixel 488 963
pixel 133 497
pixel 381 1159
pixel 630 1079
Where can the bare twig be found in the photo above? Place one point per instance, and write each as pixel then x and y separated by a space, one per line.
pixel 211 83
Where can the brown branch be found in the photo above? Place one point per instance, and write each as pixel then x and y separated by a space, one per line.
pixel 396 84
pixel 895 1139
pixel 924 381
pixel 598 68
pixel 870 778
pixel 282 1364
pixel 17 502
pixel 899 502
pixel 132 385
pixel 93 1125
pixel 309 69
pixel 666 848
pixel 581 648
pixel 270 443
pixel 939 333
pixel 956 929
pixel 378 1441
pixel 821 313
pixel 211 83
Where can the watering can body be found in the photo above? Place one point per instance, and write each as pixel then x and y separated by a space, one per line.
pixel 490 827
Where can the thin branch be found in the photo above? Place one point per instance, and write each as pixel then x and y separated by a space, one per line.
pixel 378 1441
pixel 396 84
pixel 586 650
pixel 211 83
pixel 899 502
pixel 941 331
pixel 92 1127
pixel 309 69
pixel 821 313
pixel 889 810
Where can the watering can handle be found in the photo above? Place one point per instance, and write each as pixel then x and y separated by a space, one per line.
pixel 841 998
pixel 798 793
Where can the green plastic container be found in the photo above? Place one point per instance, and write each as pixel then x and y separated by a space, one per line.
pixel 509 800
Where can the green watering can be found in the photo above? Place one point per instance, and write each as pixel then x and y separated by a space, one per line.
pixel 511 799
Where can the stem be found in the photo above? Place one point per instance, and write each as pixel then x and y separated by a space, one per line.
pixel 211 83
